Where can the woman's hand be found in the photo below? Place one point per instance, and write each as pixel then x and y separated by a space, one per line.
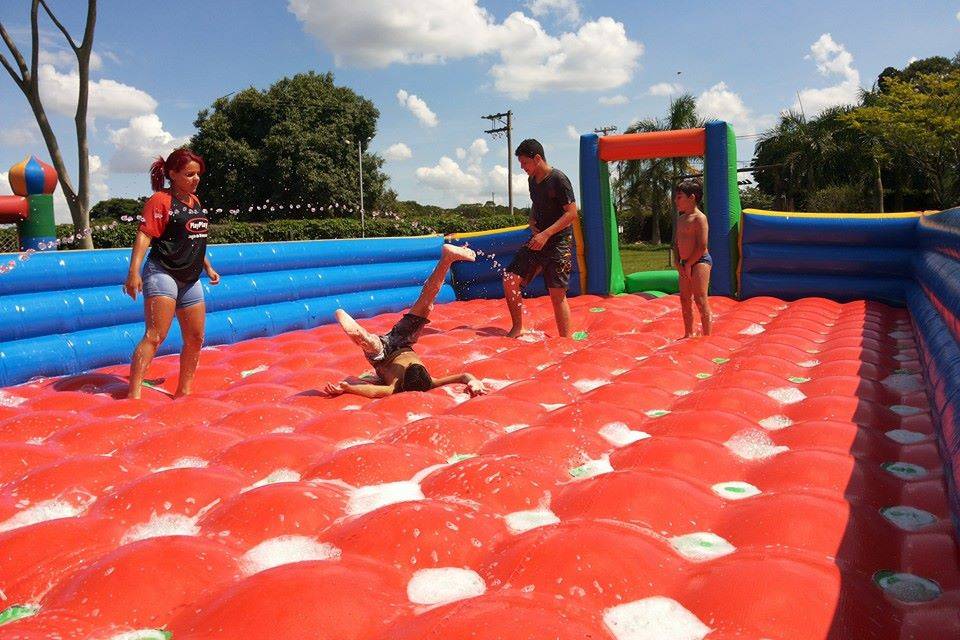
pixel 133 285
pixel 214 276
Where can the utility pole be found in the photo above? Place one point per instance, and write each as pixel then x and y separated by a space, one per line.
pixel 605 130
pixel 506 126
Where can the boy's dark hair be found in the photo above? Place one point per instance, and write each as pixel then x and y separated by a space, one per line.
pixel 416 378
pixel 530 148
pixel 692 187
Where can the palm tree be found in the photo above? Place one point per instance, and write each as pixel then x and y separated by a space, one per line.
pixel 647 185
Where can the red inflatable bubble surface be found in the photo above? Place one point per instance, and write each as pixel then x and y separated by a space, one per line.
pixel 779 479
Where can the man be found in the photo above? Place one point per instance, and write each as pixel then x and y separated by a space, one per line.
pixel 550 248
pixel 691 255
pixel 392 356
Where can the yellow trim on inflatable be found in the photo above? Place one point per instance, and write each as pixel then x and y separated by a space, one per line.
pixel 490 232
pixel 581 254
pixel 804 214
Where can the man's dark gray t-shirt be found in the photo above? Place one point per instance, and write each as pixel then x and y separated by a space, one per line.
pixel 549 198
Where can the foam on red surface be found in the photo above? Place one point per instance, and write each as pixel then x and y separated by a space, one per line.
pixel 779 479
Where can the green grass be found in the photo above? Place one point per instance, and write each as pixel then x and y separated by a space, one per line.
pixel 644 257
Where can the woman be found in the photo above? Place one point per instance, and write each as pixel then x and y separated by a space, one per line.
pixel 174 227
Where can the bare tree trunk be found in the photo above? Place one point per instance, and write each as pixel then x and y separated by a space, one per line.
pixel 879 187
pixel 27 81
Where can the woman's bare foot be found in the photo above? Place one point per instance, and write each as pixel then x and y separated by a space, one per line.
pixel 453 253
pixel 367 341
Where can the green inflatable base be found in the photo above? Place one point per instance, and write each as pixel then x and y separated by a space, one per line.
pixel 666 281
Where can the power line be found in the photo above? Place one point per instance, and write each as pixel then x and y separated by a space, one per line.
pixel 506 122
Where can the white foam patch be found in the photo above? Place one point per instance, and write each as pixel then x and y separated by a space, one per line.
pixel 752 330
pixel 7 399
pixel 286 550
pixel 36 441
pixel 533 335
pixel 585 385
pixel 682 392
pixel 140 634
pixel 258 369
pixel 905 436
pixel 474 357
pixel 352 442
pixel 620 435
pixel 775 423
pixel 521 521
pixel 656 413
pixel 904 470
pixel 701 546
pixel 903 382
pixel 735 490
pixel 753 444
pixel 656 618
pixel 167 524
pixel 187 462
pixel 444 585
pixel 510 428
pixel 366 499
pixel 553 406
pixel 807 364
pixel 352 407
pixel 909 518
pixel 495 385
pixel 280 475
pixel 43 511
pixel 787 395
pixel 413 417
pixel 284 429
pixel 592 468
pixel 905 410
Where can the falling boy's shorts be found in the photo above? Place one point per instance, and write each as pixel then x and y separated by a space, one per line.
pixel 399 339
pixel 555 259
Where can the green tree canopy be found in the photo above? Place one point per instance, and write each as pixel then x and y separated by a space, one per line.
pixel 294 143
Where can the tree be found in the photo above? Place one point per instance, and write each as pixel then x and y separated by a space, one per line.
pixel 647 185
pixel 294 143
pixel 117 208
pixel 26 79
pixel 920 119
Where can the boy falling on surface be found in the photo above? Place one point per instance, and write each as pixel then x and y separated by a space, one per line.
pixel 392 355
pixel 691 255
pixel 553 212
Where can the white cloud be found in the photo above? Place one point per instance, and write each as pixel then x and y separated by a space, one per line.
pixel 473 155
pixel 448 178
pixel 108 98
pixel 568 10
pixel 377 33
pixel 612 101
pixel 497 178
pixel 98 181
pixel 958 16
pixel 418 108
pixel 720 102
pixel 18 136
pixel 139 143
pixel 665 88
pixel 62 58
pixel 532 60
pixel 572 132
pixel 832 59
pixel 911 60
pixel 398 151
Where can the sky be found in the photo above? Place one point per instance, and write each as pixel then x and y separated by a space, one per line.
pixel 433 68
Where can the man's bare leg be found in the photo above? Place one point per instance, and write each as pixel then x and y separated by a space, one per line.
pixel 561 311
pixel 451 253
pixel 700 283
pixel 511 291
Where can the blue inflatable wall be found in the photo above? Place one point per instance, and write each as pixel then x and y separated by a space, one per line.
pixel 496 249
pixel 65 312
pixel 934 304
pixel 839 256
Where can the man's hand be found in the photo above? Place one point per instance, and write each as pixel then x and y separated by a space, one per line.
pixel 335 388
pixel 476 388
pixel 536 242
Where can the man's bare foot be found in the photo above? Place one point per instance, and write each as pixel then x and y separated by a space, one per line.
pixel 515 332
pixel 367 341
pixel 133 394
pixel 453 253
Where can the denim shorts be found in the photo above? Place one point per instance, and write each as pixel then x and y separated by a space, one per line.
pixel 157 282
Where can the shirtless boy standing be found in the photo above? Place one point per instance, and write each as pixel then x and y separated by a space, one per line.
pixel 691 255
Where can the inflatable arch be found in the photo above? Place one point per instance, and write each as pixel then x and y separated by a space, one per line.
pixel 715 142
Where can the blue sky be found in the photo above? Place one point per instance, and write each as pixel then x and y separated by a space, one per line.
pixel 433 67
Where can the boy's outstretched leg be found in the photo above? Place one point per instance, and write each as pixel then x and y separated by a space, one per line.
pixel 451 253
pixel 369 342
